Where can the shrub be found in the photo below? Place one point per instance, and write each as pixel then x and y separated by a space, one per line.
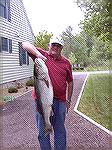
pixel 12 90
pixel 30 82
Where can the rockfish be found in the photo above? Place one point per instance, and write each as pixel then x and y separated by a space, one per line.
pixel 44 92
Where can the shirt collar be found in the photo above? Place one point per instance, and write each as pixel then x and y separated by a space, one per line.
pixel 58 58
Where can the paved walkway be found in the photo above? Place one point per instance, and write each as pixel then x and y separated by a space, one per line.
pixel 19 132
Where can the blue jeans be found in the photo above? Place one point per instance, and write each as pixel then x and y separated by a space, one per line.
pixel 57 120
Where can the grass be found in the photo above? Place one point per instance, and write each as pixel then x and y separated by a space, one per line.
pixel 96 100
pixel 101 65
pixel 97 68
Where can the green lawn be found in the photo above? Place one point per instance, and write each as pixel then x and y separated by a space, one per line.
pixel 96 100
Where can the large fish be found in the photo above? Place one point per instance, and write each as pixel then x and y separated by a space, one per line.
pixel 44 92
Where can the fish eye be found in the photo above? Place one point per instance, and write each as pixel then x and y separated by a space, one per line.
pixel 40 64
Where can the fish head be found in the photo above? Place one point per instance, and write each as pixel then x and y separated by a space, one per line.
pixel 41 68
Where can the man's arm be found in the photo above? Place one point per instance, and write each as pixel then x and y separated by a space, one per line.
pixel 69 94
pixel 32 49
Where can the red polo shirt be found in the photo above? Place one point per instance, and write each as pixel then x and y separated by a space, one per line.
pixel 60 73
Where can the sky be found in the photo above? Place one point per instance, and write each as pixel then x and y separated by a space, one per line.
pixel 53 15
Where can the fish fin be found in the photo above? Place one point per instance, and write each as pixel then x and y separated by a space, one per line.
pixel 52 113
pixel 46 82
pixel 39 107
pixel 48 129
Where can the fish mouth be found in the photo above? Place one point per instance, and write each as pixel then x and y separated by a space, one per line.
pixel 37 62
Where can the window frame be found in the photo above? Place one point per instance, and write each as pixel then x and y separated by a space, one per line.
pixel 5 6
pixel 22 53
pixel 5 45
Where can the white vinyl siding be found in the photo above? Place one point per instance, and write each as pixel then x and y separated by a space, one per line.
pixel 17 30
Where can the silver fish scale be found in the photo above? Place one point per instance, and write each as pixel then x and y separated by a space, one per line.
pixel 43 90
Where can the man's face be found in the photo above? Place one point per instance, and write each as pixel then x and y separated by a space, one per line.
pixel 55 49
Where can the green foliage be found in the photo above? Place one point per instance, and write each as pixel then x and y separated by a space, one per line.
pixel 68 39
pixel 94 26
pixel 8 98
pixel 12 90
pixel 81 49
pixel 100 50
pixel 79 45
pixel 96 30
pixel 42 39
pixel 98 17
pixel 99 65
pixel 30 82
pixel 72 58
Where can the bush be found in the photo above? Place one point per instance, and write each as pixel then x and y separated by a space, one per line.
pixel 12 90
pixel 30 82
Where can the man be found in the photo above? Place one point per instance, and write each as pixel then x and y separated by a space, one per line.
pixel 60 73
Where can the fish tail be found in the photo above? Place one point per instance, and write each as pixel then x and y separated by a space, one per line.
pixel 48 130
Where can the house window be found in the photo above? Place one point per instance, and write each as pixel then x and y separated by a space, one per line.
pixel 5 9
pixel 5 45
pixel 23 56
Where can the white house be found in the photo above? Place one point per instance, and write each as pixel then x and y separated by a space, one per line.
pixel 15 27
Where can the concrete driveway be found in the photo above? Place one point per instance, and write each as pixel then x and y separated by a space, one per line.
pixel 18 130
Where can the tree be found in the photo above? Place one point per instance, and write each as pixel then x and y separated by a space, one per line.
pixel 77 47
pixel 88 41
pixel 81 50
pixel 98 17
pixel 72 58
pixel 98 25
pixel 42 39
pixel 100 50
pixel 68 39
